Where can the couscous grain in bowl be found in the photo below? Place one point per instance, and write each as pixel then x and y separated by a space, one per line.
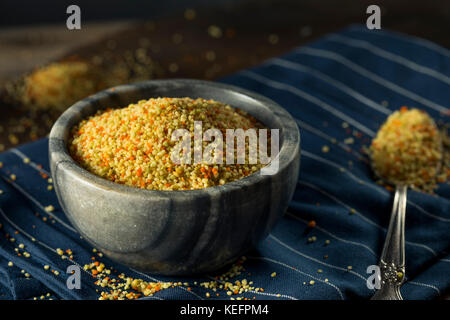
pixel 132 145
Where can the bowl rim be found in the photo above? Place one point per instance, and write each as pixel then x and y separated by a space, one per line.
pixel 58 139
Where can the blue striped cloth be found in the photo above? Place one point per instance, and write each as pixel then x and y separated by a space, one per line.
pixel 339 87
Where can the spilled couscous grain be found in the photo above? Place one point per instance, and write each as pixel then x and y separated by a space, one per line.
pixel 133 145
pixel 408 151
pixel 114 286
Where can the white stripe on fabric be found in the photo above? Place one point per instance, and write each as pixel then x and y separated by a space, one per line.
pixel 21 155
pixel 314 259
pixel 310 98
pixel 277 295
pixel 361 215
pixel 372 76
pixel 301 272
pixel 304 125
pixel 26 234
pixel 150 298
pixel 425 285
pixel 423 246
pixel 370 185
pixel 340 268
pixel 389 56
pixel 426 212
pixel 42 244
pixel 341 203
pixel 40 206
pixel 325 78
pixel 408 38
pixel 333 235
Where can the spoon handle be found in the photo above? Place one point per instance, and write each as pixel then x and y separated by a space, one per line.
pixel 392 262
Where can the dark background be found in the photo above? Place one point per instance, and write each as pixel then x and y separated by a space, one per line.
pixel 23 12
pixel 33 33
pixel 430 18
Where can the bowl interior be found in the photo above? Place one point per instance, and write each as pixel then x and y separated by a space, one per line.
pixel 263 109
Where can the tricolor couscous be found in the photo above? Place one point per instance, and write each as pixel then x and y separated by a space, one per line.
pixel 408 151
pixel 133 145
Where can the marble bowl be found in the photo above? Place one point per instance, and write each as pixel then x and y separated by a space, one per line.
pixel 175 232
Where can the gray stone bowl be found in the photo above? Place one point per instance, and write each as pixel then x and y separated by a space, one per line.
pixel 175 232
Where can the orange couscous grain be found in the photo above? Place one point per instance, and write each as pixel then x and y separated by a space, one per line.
pixel 133 145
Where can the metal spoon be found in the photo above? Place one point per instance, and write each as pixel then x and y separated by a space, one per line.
pixel 392 261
